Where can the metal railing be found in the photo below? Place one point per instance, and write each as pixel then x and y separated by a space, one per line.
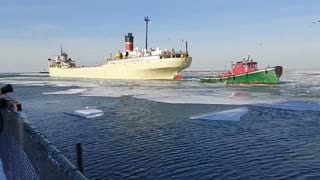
pixel 25 152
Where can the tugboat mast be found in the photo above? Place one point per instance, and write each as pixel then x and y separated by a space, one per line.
pixel 146 19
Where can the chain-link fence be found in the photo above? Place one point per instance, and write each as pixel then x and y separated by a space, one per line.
pixel 26 153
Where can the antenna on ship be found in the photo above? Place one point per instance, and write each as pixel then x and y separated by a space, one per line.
pixel 146 19
pixel 61 50
pixel 187 48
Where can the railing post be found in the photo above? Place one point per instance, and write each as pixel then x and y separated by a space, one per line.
pixel 1 122
pixel 79 157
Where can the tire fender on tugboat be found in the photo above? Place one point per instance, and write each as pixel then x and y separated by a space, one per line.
pixel 278 70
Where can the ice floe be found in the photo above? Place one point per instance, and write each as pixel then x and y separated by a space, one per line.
pixel 69 91
pixel 229 115
pixel 86 113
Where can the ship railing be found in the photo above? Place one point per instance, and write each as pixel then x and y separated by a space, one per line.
pixel 25 152
pixel 164 55
pixel 174 54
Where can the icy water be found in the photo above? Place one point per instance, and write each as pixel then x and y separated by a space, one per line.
pixel 180 129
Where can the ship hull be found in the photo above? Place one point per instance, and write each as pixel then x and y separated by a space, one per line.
pixel 263 76
pixel 127 69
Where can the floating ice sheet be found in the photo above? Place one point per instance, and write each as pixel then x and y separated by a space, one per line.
pixel 86 113
pixel 189 91
pixel 69 91
pixel 34 74
pixel 2 175
pixel 229 115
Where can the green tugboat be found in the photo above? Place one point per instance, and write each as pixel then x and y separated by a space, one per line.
pixel 246 72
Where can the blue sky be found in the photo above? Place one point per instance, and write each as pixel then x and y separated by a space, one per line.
pixel 274 32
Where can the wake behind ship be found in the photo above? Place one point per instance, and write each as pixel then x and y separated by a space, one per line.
pixel 131 64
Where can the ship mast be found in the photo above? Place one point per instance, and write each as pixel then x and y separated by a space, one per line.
pixel 61 50
pixel 146 19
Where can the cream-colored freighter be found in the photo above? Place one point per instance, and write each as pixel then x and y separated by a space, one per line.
pixel 131 64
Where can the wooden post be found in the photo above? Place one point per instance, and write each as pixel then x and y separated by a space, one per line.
pixel 79 157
